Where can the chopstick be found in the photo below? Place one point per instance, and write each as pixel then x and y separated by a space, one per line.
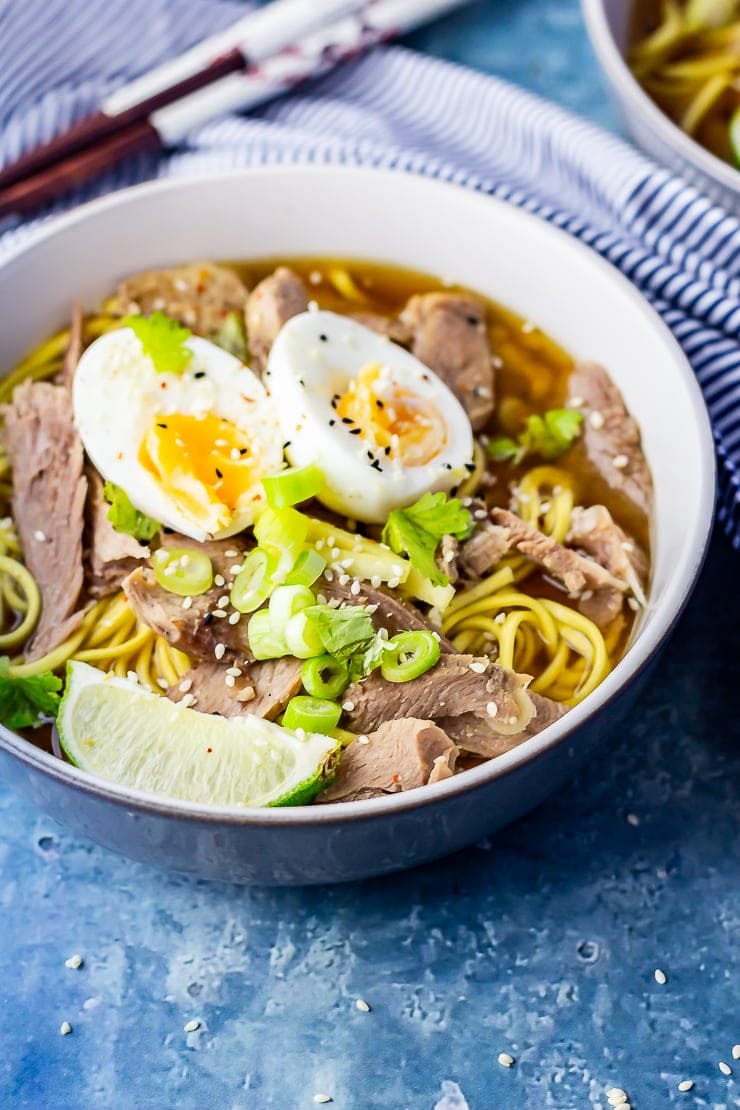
pixel 167 125
pixel 252 39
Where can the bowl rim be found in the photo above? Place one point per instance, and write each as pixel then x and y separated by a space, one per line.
pixel 622 79
pixel 638 656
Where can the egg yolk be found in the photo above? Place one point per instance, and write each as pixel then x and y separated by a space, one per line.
pixel 401 423
pixel 204 465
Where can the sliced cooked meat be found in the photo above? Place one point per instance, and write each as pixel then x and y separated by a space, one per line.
pixel 575 572
pixel 485 548
pixel 392 612
pixel 73 354
pixel 611 437
pixel 261 690
pixel 271 304
pixel 594 531
pixel 400 755
pixel 199 295
pixel 49 490
pixel 194 629
pixel 450 338
pixel 204 688
pixel 388 326
pixel 457 684
pixel 474 735
pixel 111 555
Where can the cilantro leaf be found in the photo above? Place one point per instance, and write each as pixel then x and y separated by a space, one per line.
pixel 163 340
pixel 125 518
pixel 548 435
pixel 361 664
pixel 24 702
pixel 232 336
pixel 417 530
pixel 343 632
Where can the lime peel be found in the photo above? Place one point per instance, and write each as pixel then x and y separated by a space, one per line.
pixel 114 728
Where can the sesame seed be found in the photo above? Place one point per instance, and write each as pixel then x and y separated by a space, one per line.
pixel 596 420
pixel 362 1005
pixel 234 671
pixel 686 1085
pixel 375 581
pixel 372 608
pixel 575 402
pixel 477 668
pixel 736 1052
pixel 219 651
pixel 65 1028
pixel 724 1068
pixel 492 709
pixel 163 684
pixel 132 676
pixel 185 685
pixel 191 1026
pixel 323 1098
pixel 40 536
pixel 348 706
pixel 633 819
pixel 394 583
pixel 235 569
pixel 219 612
pixel 73 962
pixel 505 1060
pixel 230 680
pixel 188 700
pixel 355 588
pixel 619 462
pixel 660 977
pixel 363 740
pixel 187 602
pixel 235 618
pixel 231 553
pixel 219 580
pixel 343 579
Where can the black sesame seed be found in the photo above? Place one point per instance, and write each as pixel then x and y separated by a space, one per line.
pixel 301 382
pixel 473 321
pixel 324 338
pixel 161 425
pixel 379 403
pixel 286 445
pixel 243 450
pixel 355 431
pixel 376 466
pixel 208 618
pixel 387 450
pixel 167 531
pixel 332 423
pixel 334 402
pixel 347 420
pixel 199 374
pixel 218 473
pixel 470 467
pixel 448 466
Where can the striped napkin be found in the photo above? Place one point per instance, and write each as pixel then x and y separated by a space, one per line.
pixel 400 110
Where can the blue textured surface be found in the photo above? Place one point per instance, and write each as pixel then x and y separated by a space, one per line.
pixel 542 944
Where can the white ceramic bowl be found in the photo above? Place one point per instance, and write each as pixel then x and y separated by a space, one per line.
pixel 608 23
pixel 507 254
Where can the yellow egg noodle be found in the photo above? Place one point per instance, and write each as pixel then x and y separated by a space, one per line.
pixel 493 616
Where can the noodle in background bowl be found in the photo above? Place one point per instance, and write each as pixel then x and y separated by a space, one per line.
pixel 506 254
pixel 608 23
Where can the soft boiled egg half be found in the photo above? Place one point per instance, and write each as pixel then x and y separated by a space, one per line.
pixel 190 449
pixel 380 425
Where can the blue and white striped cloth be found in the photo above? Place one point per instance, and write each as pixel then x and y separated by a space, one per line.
pixel 393 108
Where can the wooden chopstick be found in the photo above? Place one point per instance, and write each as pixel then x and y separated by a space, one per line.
pixel 259 35
pixel 168 124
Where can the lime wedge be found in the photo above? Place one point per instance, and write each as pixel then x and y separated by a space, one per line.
pixel 114 728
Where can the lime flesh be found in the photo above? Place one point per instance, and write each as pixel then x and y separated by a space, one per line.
pixel 122 732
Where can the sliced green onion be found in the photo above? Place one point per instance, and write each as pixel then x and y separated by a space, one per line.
pixel 266 640
pixel 286 601
pixel 312 714
pixel 324 677
pixel 302 637
pixel 735 135
pixel 308 568
pixel 283 533
pixel 182 570
pixel 255 581
pixel 291 486
pixel 409 655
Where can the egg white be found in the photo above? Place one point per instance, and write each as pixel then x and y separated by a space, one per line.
pixel 117 395
pixel 315 357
